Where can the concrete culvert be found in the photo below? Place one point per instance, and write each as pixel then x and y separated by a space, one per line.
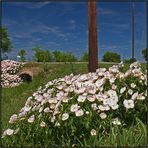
pixel 26 77
pixel 27 74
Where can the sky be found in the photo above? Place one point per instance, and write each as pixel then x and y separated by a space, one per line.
pixel 64 26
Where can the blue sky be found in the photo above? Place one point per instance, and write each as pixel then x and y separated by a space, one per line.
pixel 64 26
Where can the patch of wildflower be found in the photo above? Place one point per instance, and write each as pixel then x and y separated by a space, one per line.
pixel 9 68
pixel 84 102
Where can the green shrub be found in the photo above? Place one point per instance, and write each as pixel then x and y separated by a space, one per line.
pixel 22 53
pixel 42 55
pixel 129 61
pixel 144 53
pixel 84 57
pixel 64 57
pixel 111 57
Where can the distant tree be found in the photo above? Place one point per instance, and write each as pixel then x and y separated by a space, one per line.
pixel 129 60
pixel 111 57
pixel 84 57
pixel 69 57
pixel 6 45
pixel 37 51
pixel 60 56
pixel 144 53
pixel 22 53
pixel 42 55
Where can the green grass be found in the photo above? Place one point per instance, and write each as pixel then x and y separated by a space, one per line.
pixel 13 99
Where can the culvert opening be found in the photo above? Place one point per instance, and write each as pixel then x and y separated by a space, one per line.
pixel 26 77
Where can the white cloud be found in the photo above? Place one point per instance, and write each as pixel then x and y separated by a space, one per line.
pixel 72 24
pixel 32 5
pixel 105 11
pixel 27 29
pixel 55 30
pixel 117 26
pixel 114 48
pixel 37 5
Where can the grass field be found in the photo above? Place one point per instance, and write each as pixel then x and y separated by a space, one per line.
pixel 14 98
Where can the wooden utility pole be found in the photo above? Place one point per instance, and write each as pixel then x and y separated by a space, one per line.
pixel 92 35
pixel 147 31
pixel 133 32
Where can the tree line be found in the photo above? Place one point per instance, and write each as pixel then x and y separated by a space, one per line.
pixel 42 55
